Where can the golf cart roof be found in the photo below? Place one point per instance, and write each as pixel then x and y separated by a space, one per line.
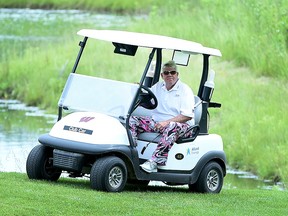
pixel 149 40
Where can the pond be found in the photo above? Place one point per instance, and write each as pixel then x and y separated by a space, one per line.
pixel 21 126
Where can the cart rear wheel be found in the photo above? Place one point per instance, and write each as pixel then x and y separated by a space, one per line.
pixel 210 179
pixel 108 174
pixel 39 164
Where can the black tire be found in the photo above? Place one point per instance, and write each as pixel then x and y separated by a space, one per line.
pixel 108 174
pixel 192 187
pixel 210 179
pixel 39 164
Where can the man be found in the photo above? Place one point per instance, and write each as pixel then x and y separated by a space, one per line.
pixel 172 117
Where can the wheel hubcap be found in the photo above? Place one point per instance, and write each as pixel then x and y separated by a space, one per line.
pixel 115 177
pixel 212 180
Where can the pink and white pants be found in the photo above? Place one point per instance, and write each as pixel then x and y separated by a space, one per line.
pixel 170 133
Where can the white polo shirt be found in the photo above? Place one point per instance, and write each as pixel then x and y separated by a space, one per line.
pixel 178 100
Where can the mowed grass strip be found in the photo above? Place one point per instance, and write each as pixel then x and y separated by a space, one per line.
pixel 21 196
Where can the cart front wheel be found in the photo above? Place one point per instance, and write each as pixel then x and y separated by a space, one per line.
pixel 39 164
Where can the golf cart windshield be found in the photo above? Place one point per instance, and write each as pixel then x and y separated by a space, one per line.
pixel 86 93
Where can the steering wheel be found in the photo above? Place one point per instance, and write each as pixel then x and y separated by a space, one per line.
pixel 147 99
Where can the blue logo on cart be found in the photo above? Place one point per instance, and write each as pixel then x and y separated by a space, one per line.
pixel 193 150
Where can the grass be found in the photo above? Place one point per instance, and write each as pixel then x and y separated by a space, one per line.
pixel 252 33
pixel 104 5
pixel 74 197
pixel 251 121
pixel 251 78
pixel 249 33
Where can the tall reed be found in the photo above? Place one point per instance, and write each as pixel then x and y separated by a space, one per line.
pixel 250 33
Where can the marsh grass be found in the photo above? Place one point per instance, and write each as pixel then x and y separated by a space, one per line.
pixel 103 5
pixel 75 197
pixel 252 120
pixel 250 79
pixel 249 33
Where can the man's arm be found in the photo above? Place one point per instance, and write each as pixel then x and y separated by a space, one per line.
pixel 180 118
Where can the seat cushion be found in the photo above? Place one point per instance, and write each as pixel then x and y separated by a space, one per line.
pixel 150 137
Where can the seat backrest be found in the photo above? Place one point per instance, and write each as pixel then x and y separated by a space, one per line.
pixel 197 110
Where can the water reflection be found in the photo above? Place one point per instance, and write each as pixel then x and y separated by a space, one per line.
pixel 247 180
pixel 20 127
pixel 23 28
pixel 50 16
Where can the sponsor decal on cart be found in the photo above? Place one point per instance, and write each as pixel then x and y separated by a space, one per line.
pixel 78 130
pixel 192 150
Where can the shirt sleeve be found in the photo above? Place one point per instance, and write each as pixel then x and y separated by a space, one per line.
pixel 187 102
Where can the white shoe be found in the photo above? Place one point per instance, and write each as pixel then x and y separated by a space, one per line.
pixel 149 166
pixel 161 166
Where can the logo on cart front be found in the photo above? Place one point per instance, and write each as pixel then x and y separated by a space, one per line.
pixel 86 119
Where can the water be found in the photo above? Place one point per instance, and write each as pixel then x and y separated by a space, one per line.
pixel 49 18
pixel 247 180
pixel 20 127
pixel 23 28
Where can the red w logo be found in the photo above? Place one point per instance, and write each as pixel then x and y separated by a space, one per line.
pixel 86 119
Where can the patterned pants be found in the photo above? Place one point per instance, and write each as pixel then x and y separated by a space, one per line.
pixel 170 133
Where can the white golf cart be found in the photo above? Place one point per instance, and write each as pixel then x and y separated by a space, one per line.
pixel 93 138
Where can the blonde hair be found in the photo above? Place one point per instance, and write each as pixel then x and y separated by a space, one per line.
pixel 170 63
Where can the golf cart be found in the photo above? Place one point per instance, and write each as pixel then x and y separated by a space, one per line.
pixel 92 138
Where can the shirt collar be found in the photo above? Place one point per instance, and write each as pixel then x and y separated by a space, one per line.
pixel 175 87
